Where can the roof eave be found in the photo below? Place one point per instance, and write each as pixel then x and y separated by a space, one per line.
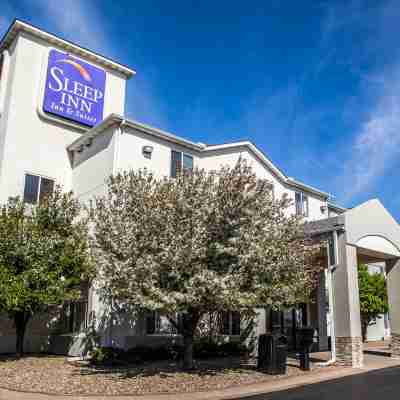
pixel 110 120
pixel 337 207
pixel 254 149
pixel 294 183
pixel 19 26
pixel 162 134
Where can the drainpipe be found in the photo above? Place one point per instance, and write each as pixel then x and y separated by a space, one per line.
pixel 117 146
pixel 331 302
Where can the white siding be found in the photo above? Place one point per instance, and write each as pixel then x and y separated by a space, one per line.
pixel 30 143
pixel 216 159
pixel 94 165
pixel 130 153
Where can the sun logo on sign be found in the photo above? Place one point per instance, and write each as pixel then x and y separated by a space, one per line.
pixel 82 70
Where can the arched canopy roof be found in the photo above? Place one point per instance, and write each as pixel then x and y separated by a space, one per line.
pixel 370 226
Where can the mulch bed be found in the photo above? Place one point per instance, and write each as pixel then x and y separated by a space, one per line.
pixel 56 375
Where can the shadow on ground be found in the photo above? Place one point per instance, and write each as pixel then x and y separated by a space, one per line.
pixel 202 368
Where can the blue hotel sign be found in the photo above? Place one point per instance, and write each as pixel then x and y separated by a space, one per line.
pixel 74 89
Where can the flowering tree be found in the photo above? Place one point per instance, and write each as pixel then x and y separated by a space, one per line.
pixel 200 243
pixel 43 257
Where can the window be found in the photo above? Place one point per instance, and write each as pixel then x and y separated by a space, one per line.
pixel 331 250
pixel 180 161
pixel 230 323
pixel 73 317
pixel 1 65
pixel 157 324
pixel 301 201
pixel 37 188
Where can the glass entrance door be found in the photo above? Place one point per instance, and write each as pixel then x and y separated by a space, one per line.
pixel 287 322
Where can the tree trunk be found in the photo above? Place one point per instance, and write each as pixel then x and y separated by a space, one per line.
pixel 364 326
pixel 189 325
pixel 188 352
pixel 21 319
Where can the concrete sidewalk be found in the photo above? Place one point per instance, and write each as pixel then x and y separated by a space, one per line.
pixel 372 362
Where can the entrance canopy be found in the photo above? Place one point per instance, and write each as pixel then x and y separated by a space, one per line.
pixel 373 230
pixel 369 227
pixel 364 234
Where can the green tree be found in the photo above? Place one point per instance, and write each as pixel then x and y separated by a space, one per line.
pixel 204 242
pixel 373 297
pixel 44 257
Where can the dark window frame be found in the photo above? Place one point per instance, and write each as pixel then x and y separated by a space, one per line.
pixel 74 317
pixel 1 67
pixel 154 325
pixel 178 162
pixel 40 195
pixel 332 256
pixel 230 323
pixel 301 201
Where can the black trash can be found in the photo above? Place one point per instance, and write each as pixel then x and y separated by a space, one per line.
pixel 272 354
pixel 306 341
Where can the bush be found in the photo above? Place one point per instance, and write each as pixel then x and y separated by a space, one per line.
pixel 106 356
pixel 207 349
pixel 139 354
pixel 202 349
pixel 234 349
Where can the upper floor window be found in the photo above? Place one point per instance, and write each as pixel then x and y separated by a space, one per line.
pixel 1 65
pixel 332 250
pixel 37 188
pixel 301 202
pixel 180 162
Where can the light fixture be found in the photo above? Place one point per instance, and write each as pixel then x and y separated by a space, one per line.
pixel 147 151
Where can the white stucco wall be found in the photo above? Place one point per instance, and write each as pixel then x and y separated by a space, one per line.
pixel 30 143
pixel 229 156
pixel 94 165
pixel 130 153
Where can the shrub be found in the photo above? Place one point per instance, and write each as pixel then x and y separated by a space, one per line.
pixel 234 349
pixel 211 349
pixel 106 356
pixel 202 349
pixel 206 349
pixel 139 354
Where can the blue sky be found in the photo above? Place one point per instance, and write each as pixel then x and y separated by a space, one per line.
pixel 315 84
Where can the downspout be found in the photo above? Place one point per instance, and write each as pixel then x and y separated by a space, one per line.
pixel 331 302
pixel 115 168
pixel 117 146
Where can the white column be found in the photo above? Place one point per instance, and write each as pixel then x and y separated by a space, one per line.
pixel 346 313
pixel 393 286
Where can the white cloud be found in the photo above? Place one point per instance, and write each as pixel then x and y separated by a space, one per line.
pixel 376 145
pixel 84 23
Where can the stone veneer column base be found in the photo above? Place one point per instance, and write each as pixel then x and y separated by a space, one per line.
pixel 395 345
pixel 349 351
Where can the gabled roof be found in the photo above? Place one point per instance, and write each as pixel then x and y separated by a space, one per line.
pixel 324 225
pixel 371 219
pixel 336 208
pixel 20 26
pixel 201 148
